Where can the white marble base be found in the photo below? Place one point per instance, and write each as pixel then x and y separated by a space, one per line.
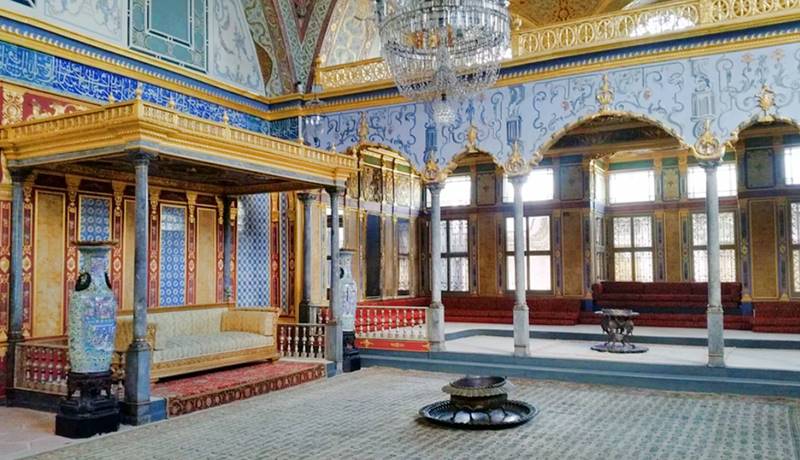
pixel 716 341
pixel 522 331
pixel 435 320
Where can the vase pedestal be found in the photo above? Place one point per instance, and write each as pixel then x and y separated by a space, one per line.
pixel 351 357
pixel 94 411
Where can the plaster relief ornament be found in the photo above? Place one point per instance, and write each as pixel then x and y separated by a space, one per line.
pixel 605 95
pixel 432 172
pixel 708 148
pixel 472 139
pixel 766 102
pixel 515 164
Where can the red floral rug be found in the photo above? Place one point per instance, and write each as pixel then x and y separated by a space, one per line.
pixel 201 391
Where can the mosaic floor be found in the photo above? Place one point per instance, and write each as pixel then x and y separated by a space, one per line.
pixel 372 414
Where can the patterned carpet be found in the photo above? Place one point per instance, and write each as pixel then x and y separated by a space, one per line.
pixel 373 414
pixel 202 391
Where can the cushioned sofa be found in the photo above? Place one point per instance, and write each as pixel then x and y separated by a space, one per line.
pixel 644 295
pixel 196 338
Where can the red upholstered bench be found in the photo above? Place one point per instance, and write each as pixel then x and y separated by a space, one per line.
pixel 500 309
pixel 631 294
pixel 776 317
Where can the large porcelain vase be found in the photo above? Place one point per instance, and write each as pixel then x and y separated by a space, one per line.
pixel 92 313
pixel 349 290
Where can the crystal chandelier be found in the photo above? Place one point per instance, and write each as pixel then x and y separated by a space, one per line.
pixel 442 51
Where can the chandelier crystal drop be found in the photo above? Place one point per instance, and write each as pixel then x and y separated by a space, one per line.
pixel 443 51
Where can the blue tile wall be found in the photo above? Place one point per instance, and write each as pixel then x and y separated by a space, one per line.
pixel 173 256
pixel 52 73
pixel 253 251
pixel 94 219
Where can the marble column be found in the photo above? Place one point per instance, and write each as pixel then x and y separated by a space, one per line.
pixel 716 341
pixel 522 328
pixel 136 410
pixel 15 312
pixel 333 337
pixel 305 303
pixel 227 251
pixel 435 316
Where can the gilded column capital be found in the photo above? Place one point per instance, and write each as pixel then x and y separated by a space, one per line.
pixel 515 165
pixel 708 150
pixel 141 158
pixel 220 209
pixel 233 211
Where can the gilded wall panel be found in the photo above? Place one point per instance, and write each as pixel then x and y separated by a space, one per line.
pixel 206 256
pixel 487 254
pixel 128 251
pixel 760 168
pixel 388 187
pixel 671 184
pixel 672 245
pixel 571 182
pixel 487 190
pixel 371 187
pixel 402 190
pixel 48 268
pixel 764 253
pixel 572 255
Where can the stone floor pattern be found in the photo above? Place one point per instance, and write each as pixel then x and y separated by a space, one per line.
pixel 373 414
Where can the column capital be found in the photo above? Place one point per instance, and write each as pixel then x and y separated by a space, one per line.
pixel 140 157
pixel 434 187
pixel 335 190
pixel 19 175
pixel 518 180
pixel 710 164
pixel 306 197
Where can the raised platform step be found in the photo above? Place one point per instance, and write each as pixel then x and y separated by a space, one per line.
pixel 754 343
pixel 210 389
pixel 654 376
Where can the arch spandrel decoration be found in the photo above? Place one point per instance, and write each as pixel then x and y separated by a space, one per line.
pixel 678 96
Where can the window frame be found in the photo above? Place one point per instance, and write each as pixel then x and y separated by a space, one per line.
pixel 528 253
pixel 790 150
pixel 632 249
pixel 507 192
pixel 451 178
pixel 722 247
pixel 795 256
pixel 447 254
pixel 404 255
pixel 609 190
pixel 728 164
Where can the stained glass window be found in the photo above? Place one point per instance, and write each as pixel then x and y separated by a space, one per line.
pixel 538 187
pixel 726 181
pixel 455 255
pixel 727 243
pixel 403 250
pixel 633 248
pixel 631 186
pixel 537 253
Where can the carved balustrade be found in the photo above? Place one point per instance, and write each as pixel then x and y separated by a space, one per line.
pixel 42 366
pixel 384 322
pixel 301 340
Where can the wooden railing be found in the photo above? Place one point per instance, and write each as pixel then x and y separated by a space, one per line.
pixel 301 340
pixel 384 322
pixel 42 366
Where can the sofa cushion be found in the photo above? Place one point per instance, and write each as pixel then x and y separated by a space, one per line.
pixel 253 321
pixel 170 324
pixel 190 346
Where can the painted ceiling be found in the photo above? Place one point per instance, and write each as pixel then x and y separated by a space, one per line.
pixel 352 34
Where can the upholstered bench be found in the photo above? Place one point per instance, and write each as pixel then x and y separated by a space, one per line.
pixel 196 338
